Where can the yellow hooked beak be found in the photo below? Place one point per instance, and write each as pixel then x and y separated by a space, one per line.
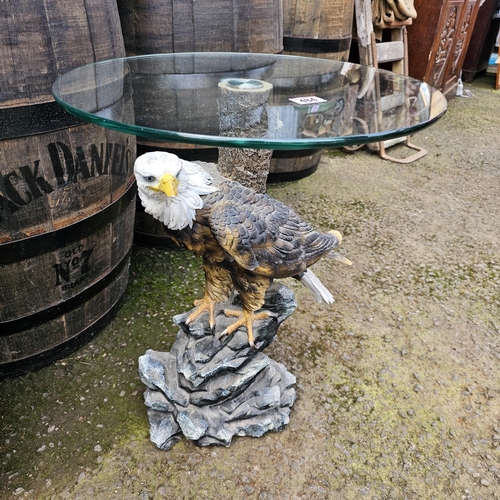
pixel 168 184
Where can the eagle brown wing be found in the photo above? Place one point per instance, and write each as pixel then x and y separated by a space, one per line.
pixel 261 234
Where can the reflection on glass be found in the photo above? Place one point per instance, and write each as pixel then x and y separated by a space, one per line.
pixel 314 102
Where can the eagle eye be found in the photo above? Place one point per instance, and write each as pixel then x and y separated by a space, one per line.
pixel 149 178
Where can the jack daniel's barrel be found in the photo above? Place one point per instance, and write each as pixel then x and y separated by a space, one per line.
pixel 67 196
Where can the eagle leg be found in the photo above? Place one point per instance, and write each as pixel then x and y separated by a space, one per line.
pixel 246 319
pixel 206 304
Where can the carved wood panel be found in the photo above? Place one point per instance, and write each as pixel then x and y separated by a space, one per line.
pixel 462 37
pixel 438 41
pixel 447 29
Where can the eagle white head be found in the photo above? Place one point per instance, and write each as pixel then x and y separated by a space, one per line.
pixel 170 188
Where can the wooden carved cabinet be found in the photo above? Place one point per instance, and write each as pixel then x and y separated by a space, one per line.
pixel 438 41
pixel 482 43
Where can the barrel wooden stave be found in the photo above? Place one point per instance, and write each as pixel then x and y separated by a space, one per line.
pixel 318 28
pixel 156 26
pixel 54 339
pixel 42 40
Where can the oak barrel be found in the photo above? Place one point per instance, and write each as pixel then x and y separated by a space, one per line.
pixel 67 193
pixel 318 28
pixel 156 26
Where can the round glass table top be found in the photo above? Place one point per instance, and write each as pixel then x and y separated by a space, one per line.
pixel 249 100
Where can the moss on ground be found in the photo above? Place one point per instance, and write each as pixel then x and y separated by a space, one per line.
pixel 68 415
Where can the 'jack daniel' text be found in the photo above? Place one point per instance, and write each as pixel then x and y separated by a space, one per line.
pixel 21 186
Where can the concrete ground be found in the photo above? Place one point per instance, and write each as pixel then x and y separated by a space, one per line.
pixel 398 382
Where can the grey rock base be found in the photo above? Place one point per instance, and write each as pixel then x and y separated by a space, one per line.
pixel 209 389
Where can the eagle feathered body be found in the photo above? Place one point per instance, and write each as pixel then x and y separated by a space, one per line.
pixel 246 239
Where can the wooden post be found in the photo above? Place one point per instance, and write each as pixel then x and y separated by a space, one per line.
pixel 243 113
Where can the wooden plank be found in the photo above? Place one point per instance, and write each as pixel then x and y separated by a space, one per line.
pixel 364 28
pixel 390 51
pixel 392 101
pixel 364 22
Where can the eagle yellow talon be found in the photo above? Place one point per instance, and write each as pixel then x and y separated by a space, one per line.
pixel 246 319
pixel 206 304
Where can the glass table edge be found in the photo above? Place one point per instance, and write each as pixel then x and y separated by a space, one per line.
pixel 236 142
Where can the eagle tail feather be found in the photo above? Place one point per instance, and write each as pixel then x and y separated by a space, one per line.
pixel 320 292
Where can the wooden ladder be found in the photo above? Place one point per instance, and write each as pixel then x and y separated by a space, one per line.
pixel 373 53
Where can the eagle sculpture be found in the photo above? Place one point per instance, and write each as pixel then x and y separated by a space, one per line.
pixel 246 239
